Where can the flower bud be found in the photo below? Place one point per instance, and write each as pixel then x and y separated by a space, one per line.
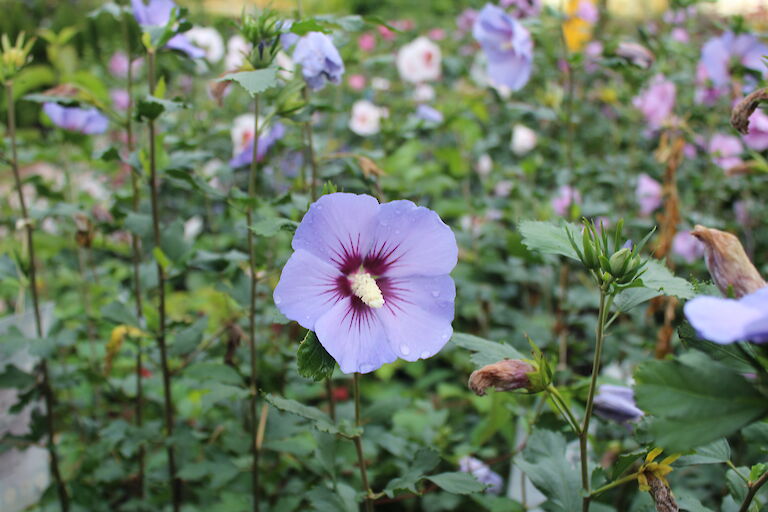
pixel 619 261
pixel 506 375
pixel 727 262
pixel 14 57
pixel 590 255
pixel 263 32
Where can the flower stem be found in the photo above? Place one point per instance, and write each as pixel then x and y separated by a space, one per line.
pixel 135 257
pixel 752 488
pixel 584 433
pixel 46 386
pixel 564 409
pixel 358 439
pixel 252 190
pixel 613 484
pixel 168 398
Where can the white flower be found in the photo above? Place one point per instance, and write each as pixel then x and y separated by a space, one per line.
pixel 286 65
pixel 484 165
pixel 242 132
pixel 209 40
pixel 366 118
pixel 193 227
pixel 237 49
pixel 419 61
pixel 380 84
pixel 523 140
pixel 423 93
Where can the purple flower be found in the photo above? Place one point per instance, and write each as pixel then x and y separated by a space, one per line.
pixel 522 8
pixel 728 320
pixel 372 280
pixel 725 150
pixel 319 59
pixel 266 141
pixel 507 45
pixel 719 54
pixel 76 119
pixel 687 246
pixel 157 14
pixel 648 194
pixel 120 98
pixel 483 473
pixel 566 195
pixel 466 20
pixel 656 102
pixel 429 114
pixel 757 138
pixel 706 93
pixel 616 403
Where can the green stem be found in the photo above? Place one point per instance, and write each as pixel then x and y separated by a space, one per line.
pixel 565 410
pixel 613 484
pixel 252 190
pixel 736 470
pixel 359 444
pixel 168 398
pixel 46 386
pixel 752 488
pixel 136 258
pixel 584 434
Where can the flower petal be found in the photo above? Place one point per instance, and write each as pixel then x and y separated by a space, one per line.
pixel 307 289
pixel 417 314
pixel 354 337
pixel 411 240
pixel 336 227
pixel 721 320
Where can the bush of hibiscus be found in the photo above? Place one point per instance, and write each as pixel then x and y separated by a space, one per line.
pixel 493 256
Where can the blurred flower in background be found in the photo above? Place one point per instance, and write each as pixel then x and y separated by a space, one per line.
pixel 419 61
pixel 757 138
pixel 522 8
pixel 523 140
pixel 157 13
pixel 319 60
pixel 657 102
pixel 729 320
pixel 565 198
pixel 483 473
pixel 365 119
pixel 75 119
pixel 720 53
pixel 242 139
pixel 687 246
pixel 648 193
pixel 616 403
pixel 507 45
pixel 577 28
pixel 429 114
pixel 725 150
pixel 209 40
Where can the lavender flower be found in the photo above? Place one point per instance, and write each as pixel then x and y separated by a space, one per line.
pixel 244 156
pixel 372 280
pixel 507 45
pixel 757 138
pixel 566 196
pixel 718 54
pixel 729 320
pixel 429 114
pixel 656 102
pixel 648 194
pixel 725 150
pixel 319 59
pixel 75 119
pixel 687 246
pixel 157 14
pixel 483 473
pixel 522 8
pixel 616 403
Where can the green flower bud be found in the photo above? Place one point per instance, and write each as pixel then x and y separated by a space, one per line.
pixel 13 57
pixel 590 256
pixel 263 32
pixel 619 262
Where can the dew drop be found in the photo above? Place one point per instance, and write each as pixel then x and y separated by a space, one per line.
pixel 365 368
pixel 445 335
pixel 278 300
pixel 424 354
pixel 435 293
pixel 405 350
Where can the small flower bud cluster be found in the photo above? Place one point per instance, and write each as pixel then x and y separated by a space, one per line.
pixel 13 57
pixel 263 33
pixel 612 261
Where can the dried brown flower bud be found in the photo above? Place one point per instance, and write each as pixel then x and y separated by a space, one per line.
pixel 506 375
pixel 744 109
pixel 662 495
pixel 635 53
pixel 727 262
pixel 85 233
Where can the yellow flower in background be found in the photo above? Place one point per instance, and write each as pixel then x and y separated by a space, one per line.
pixel 577 29
pixel 657 469
pixel 116 339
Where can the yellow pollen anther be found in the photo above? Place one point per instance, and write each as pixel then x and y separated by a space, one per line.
pixel 364 286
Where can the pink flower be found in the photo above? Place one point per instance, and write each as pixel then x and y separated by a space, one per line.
pixel 118 64
pixel 385 33
pixel 367 42
pixel 120 98
pixel 725 150
pixel 648 194
pixel 687 246
pixel 356 82
pixel 466 20
pixel 757 138
pixel 656 102
pixel 566 196
pixel 436 34
pixel 680 35
pixel 741 211
pixel 587 11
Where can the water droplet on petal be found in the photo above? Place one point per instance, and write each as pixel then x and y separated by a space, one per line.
pixel 365 368
pixel 405 350
pixel 278 300
pixel 445 335
pixel 424 354
pixel 435 293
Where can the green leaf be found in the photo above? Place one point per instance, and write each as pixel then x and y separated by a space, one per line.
pixel 632 297
pixel 187 339
pixel 272 226
pixel 485 351
pixel 318 418
pixel 150 108
pixel 658 277
pixel 313 360
pixel 161 258
pixel 457 482
pixel 550 238
pixel 545 463
pixel 695 400
pixel 425 461
pixel 217 372
pixel 119 314
pixel 139 224
pixel 717 452
pixel 12 377
pixel 254 82
pixel 303 27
